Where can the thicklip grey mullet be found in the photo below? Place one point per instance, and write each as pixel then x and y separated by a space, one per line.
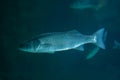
pixel 61 41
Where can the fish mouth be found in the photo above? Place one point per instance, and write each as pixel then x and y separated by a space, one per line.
pixel 24 50
pixel 21 49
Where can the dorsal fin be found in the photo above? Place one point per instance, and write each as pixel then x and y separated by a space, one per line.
pixel 73 31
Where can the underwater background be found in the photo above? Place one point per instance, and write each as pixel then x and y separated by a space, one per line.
pixel 23 19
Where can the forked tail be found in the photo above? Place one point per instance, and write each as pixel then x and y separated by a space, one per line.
pixel 99 38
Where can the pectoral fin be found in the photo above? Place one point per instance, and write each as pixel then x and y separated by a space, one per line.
pixel 81 48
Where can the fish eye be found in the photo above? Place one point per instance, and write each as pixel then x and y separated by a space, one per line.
pixel 21 45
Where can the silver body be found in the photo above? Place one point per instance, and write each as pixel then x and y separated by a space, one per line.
pixel 64 41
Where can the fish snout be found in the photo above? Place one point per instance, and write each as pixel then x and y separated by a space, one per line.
pixel 24 47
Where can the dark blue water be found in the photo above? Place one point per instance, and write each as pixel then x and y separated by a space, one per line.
pixel 24 19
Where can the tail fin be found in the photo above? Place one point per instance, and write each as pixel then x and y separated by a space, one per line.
pixel 99 38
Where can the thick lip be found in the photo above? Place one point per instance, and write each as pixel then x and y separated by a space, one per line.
pixel 24 50
pixel 21 49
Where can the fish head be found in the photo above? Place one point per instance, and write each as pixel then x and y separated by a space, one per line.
pixel 30 46
pixel 35 46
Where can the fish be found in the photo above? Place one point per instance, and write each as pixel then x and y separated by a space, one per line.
pixel 62 41
pixel 86 4
pixel 93 53
pixel 116 45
